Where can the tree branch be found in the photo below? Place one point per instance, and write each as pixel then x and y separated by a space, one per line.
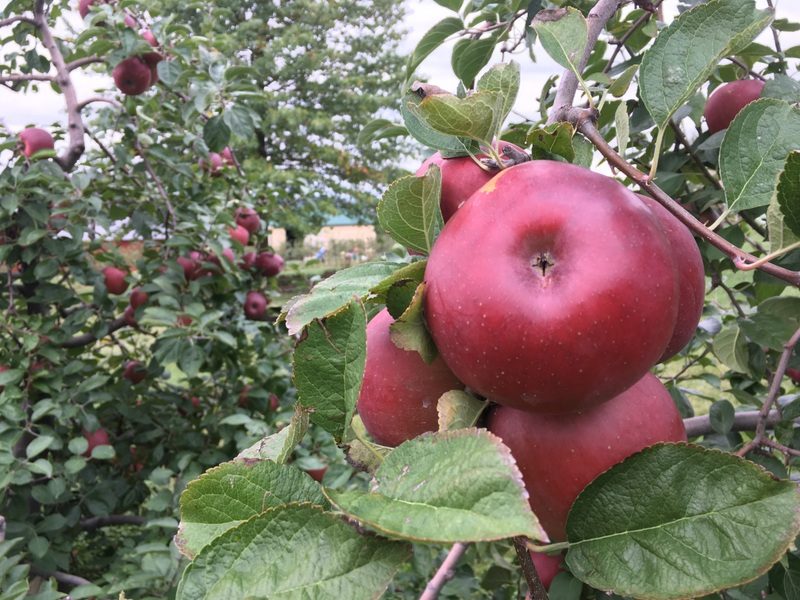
pixel 92 523
pixel 444 573
pixel 642 20
pixel 772 395
pixel 17 19
pixel 15 77
pixel 84 103
pixel 598 17
pixel 584 121
pixel 742 421
pixel 74 123
pixel 60 577
pixel 82 62
pixel 535 587
pixel 90 338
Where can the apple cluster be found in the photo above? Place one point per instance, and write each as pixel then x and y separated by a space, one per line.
pixel 551 292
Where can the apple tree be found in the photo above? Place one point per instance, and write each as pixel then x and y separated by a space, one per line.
pixel 580 380
pixel 138 343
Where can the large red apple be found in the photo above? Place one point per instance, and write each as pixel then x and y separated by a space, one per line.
pixel 461 177
pixel 98 437
pixel 255 306
pixel 239 234
pixel 399 390
pixel 269 263
pixel 34 139
pixel 551 289
pixel 691 277
pixel 248 218
pixel 727 100
pixel 138 297
pixel 115 280
pixel 132 76
pixel 559 455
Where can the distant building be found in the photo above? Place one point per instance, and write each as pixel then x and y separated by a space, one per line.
pixel 338 231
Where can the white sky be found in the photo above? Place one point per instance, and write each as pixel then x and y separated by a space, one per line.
pixel 45 106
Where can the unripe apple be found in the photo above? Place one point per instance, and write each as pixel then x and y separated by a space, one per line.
pixel 134 371
pixel 399 391
pixel 138 297
pixel 559 455
pixel 269 263
pixel 461 177
pixel 691 277
pixel 248 218
pixel 239 234
pixel 547 566
pixel 727 100
pixel 551 289
pixel 34 139
pixel 255 305
pixel 115 280
pixel 132 76
pixel 98 437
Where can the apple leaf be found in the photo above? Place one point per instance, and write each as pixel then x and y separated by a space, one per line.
pixel 730 346
pixel 503 79
pixel 564 35
pixel 328 367
pixel 293 551
pixel 685 54
pixel 409 331
pixel 780 236
pixel 470 56
pixel 476 117
pixel 409 210
pixel 768 330
pixel 279 446
pixel 449 145
pixel 782 87
pixel 621 84
pixel 552 140
pixel 623 126
pixel 789 193
pixel 331 294
pixel 362 453
pixel 11 376
pixel 379 129
pixel 458 410
pixel 228 495
pixel 411 273
pixel 432 39
pixel 452 486
pixel 754 150
pixel 680 521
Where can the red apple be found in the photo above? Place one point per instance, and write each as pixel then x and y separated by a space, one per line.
pixel 149 37
pixel 130 20
pixel 184 320
pixel 255 305
pixel 214 164
pixel 227 157
pixel 552 289
pixel 115 280
pixel 132 76
pixel 559 455
pixel 190 265
pixel 130 316
pixel 399 391
pixel 727 100
pixel 269 264
pixel 228 255
pixel 248 218
pixel 244 396
pixel 239 234
pixel 134 371
pixel 84 6
pixel 98 437
pixel 274 402
pixel 34 139
pixel 318 474
pixel 691 277
pixel 195 401
pixel 547 566
pixel 461 177
pixel 248 260
pixel 152 59
pixel 794 374
pixel 138 297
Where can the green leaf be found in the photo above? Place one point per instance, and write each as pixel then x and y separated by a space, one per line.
pixel 780 236
pixel 432 39
pixel 721 415
pixel 227 495
pixel 564 35
pixel 445 487
pixel 293 552
pixel 329 365
pixel 331 294
pixel 216 133
pixel 622 124
pixel 449 145
pixel 239 121
pixel 686 53
pixel 409 331
pixel 680 521
pixel 552 140
pixel 789 193
pixel 475 117
pixel 103 452
pixel 458 410
pixel 470 56
pixel 754 151
pixel 11 376
pixel 454 5
pixel 278 447
pixel 38 445
pixel 768 330
pixel 378 129
pixel 782 87
pixel 730 346
pixel 623 82
pixel 409 210
pixel 503 79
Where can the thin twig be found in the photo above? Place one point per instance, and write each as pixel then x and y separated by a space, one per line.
pixel 89 338
pixel 60 577
pixel 584 121
pixel 84 103
pixel 772 395
pixel 602 11
pixel 82 62
pixel 444 573
pixel 732 297
pixel 642 20
pixel 92 523
pixel 535 586
pixel 161 190
pixel 776 38
pixel 743 66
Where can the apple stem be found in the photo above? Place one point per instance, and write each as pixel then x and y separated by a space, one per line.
pixel 535 586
